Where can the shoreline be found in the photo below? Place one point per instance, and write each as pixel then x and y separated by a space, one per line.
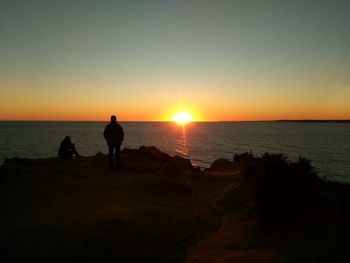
pixel 202 168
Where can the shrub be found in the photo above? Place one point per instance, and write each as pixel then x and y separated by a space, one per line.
pixel 284 192
pixel 247 156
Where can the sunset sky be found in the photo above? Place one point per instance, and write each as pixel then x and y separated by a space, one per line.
pixel 147 60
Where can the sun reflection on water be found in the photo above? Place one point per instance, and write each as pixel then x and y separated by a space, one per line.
pixel 182 147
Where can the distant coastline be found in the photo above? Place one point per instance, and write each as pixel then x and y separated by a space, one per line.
pixel 317 121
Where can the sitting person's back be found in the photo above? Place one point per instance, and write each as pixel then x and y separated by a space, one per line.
pixel 67 149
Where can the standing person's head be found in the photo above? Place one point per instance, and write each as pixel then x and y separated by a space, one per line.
pixel 113 118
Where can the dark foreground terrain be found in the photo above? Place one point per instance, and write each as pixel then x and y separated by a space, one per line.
pixel 161 209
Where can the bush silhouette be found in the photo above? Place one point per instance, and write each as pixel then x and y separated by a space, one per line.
pixel 284 192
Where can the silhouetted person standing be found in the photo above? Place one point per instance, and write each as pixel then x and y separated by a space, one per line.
pixel 67 149
pixel 114 136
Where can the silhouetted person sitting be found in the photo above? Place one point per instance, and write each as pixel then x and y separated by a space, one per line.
pixel 114 136
pixel 67 149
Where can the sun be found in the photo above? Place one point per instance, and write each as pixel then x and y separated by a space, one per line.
pixel 182 117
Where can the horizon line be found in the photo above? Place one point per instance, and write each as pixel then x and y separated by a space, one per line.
pixel 203 121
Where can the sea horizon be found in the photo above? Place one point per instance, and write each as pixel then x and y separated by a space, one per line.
pixel 195 121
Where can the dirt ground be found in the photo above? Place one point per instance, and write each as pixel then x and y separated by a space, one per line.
pixel 155 209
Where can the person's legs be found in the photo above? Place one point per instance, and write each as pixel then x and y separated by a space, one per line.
pixel 110 155
pixel 67 155
pixel 117 155
pixel 74 151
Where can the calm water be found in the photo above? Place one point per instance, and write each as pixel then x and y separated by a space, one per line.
pixel 326 144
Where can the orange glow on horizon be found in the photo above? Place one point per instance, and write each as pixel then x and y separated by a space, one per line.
pixel 200 111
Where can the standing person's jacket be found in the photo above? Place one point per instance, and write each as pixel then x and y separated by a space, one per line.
pixel 114 134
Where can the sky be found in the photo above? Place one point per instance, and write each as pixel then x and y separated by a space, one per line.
pixel 146 60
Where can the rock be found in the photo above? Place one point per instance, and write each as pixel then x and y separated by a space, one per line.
pixel 220 164
pixel 154 153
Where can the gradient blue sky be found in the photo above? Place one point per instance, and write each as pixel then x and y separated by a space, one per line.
pixel 145 60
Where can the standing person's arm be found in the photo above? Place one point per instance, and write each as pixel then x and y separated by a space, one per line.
pixel 121 134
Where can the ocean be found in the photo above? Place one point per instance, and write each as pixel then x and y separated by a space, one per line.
pixel 327 145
